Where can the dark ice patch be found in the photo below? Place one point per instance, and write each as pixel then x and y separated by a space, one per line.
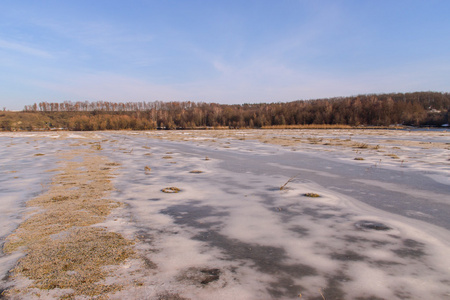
pixel 334 289
pixel 348 256
pixel 210 275
pixel 284 287
pixel 411 248
pixel 371 225
pixel 191 214
pixel 200 276
pixel 315 213
pixel 369 298
pixel 266 259
pixel 302 231
pixel 170 296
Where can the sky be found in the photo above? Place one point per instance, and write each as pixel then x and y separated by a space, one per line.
pixel 227 52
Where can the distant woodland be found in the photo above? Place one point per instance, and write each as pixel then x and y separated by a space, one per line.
pixel 411 109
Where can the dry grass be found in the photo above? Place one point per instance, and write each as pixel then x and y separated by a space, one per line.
pixel 289 180
pixel 359 158
pixel 196 171
pixel 96 146
pixel 361 145
pixel 314 141
pixel 171 190
pixel 311 195
pixel 428 145
pixel 62 249
pixel 309 126
pixel 323 297
pixel 393 156
pixel 75 260
pixel 147 169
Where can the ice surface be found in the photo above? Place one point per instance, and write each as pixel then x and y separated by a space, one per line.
pixel 24 161
pixel 267 243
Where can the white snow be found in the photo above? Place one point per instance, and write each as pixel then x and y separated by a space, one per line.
pixel 264 240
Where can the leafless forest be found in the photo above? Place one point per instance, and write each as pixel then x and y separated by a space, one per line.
pixel 414 109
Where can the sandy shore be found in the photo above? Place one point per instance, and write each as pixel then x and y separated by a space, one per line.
pixel 88 214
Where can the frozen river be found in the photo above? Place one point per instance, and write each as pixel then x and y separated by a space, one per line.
pixel 378 230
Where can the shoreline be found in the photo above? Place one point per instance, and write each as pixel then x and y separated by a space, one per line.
pixel 276 127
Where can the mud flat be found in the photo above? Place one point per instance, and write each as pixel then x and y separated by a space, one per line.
pixel 250 214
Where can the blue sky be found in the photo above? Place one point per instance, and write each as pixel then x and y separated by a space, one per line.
pixel 220 51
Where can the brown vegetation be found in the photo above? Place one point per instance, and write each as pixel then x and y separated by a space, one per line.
pixel 196 172
pixel 417 109
pixel 311 195
pixel 171 190
pixel 63 249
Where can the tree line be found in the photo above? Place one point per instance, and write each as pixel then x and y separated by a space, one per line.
pixel 415 109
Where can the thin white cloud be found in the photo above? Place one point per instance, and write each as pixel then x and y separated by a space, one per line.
pixel 109 86
pixel 24 49
pixel 98 34
pixel 261 82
